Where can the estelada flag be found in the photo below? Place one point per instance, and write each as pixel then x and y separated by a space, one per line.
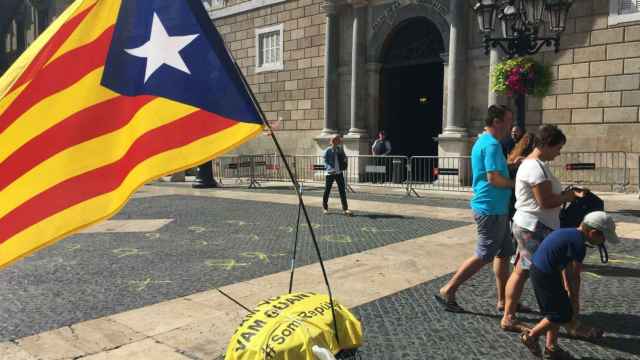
pixel 113 94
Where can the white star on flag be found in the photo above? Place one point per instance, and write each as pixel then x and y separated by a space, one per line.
pixel 162 49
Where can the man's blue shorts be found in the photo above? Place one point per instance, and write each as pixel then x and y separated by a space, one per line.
pixel 494 236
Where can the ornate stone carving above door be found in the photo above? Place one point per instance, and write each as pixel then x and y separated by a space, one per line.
pixel 385 18
pixel 388 12
pixel 427 49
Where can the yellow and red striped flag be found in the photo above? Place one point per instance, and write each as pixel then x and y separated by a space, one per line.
pixel 113 94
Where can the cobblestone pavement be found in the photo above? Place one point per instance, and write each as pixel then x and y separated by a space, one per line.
pixel 411 325
pixel 626 215
pixel 389 196
pixel 210 243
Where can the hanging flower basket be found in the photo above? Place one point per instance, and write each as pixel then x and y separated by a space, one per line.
pixel 521 76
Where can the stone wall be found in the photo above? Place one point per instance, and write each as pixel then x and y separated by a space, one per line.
pixel 596 88
pixel 292 99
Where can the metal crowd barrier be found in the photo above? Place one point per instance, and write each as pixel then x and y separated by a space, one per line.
pixel 378 171
pixel 412 174
pixel 271 167
pixel 236 168
pixel 309 169
pixel 592 168
pixel 452 173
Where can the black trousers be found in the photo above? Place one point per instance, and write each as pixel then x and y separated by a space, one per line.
pixel 339 178
pixel 205 173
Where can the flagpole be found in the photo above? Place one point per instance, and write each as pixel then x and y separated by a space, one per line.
pixel 295 249
pixel 296 186
pixel 214 36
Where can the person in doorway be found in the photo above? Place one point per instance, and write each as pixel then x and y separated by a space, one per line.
pixel 381 147
pixel 335 162
pixel 204 177
pixel 492 189
pixel 509 142
pixel 539 197
pixel 557 261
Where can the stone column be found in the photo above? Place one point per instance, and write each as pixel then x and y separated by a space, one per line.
pixel 494 59
pixel 357 62
pixel 330 69
pixel 456 97
pixel 356 142
pixel 454 141
pixel 373 97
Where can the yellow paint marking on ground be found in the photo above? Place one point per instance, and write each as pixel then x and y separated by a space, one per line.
pixel 592 274
pixel 128 252
pixel 136 225
pixel 226 264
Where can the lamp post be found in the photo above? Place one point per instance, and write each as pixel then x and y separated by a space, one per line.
pixel 522 27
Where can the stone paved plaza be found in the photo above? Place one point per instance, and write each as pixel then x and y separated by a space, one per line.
pixel 411 325
pixel 210 243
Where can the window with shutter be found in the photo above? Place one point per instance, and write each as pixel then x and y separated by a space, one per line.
pixel 269 48
pixel 621 11
pixel 213 4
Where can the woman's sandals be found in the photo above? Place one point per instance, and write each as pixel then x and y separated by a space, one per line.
pixel 515 326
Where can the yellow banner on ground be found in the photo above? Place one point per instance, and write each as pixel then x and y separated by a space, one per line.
pixel 288 326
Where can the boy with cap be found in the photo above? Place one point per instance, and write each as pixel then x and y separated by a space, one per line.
pixel 559 258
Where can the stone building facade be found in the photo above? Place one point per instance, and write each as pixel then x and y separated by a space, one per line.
pixel 339 57
pixel 21 21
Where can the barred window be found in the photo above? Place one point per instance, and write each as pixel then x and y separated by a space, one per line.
pixel 621 11
pixel 213 4
pixel 628 6
pixel 269 48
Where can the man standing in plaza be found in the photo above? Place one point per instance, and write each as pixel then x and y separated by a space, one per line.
pixel 204 177
pixel 509 142
pixel 492 189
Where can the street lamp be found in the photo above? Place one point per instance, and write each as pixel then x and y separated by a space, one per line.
pixel 521 23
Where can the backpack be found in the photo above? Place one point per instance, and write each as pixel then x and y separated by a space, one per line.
pixel 344 162
pixel 571 215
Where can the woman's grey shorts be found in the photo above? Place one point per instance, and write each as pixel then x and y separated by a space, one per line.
pixel 528 242
pixel 494 236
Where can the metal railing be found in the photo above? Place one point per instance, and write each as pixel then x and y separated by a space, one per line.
pixel 592 168
pixel 450 173
pixel 378 171
pixel 309 169
pixel 413 174
pixel 237 168
pixel 270 167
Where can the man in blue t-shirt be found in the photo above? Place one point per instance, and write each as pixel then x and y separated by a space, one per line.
pixel 557 260
pixel 490 203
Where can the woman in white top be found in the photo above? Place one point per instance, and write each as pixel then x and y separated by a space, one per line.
pixel 539 197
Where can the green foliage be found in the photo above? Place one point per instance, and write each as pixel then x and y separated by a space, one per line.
pixel 521 75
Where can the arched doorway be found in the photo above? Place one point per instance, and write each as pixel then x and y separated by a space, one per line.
pixel 412 87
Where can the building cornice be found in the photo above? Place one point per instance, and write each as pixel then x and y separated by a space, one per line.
pixel 242 7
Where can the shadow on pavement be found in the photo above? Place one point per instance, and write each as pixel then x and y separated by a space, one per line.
pixel 627 345
pixel 615 324
pixel 380 216
pixel 608 270
pixel 626 324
